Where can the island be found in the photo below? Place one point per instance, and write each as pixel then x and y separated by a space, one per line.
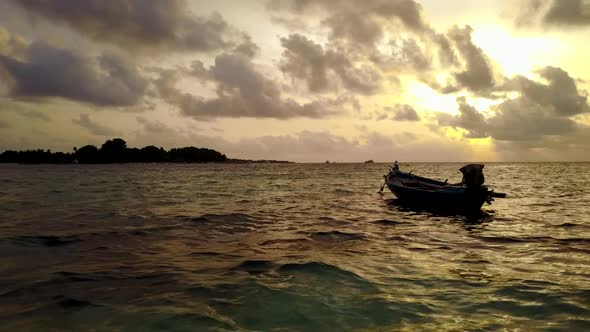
pixel 116 151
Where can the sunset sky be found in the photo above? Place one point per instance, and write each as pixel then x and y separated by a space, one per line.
pixel 301 80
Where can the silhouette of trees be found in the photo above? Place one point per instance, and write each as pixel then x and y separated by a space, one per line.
pixel 152 153
pixel 192 154
pixel 88 154
pixel 35 156
pixel 114 151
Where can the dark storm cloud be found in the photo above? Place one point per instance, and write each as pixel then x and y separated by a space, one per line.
pixel 95 128
pixel 306 60
pixel 540 110
pixel 521 119
pixel 572 13
pixel 477 75
pixel 137 23
pixel 405 113
pixel 106 80
pixel 469 119
pixel 560 93
pixel 446 54
pixel 242 91
pixel 357 21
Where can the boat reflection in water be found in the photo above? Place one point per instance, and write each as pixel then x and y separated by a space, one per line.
pixel 465 197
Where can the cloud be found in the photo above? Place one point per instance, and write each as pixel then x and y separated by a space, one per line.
pixel 33 114
pixel 306 60
pixel 469 119
pixel 8 105
pixel 405 113
pixel 319 146
pixel 371 44
pixel 376 42
pixel 407 52
pixel 105 80
pixel 10 44
pixel 155 127
pixel 350 25
pixel 247 48
pixel 478 75
pixel 138 24
pixel 360 22
pixel 575 146
pixel 564 13
pixel 306 146
pixel 154 132
pixel 446 54
pixel 541 110
pixel 95 128
pixel 560 93
pixel 521 119
pixel 242 91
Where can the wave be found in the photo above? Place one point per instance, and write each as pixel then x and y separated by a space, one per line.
pixel 231 218
pixel 71 303
pixel 535 239
pixel 255 266
pixel 570 225
pixel 284 241
pixel 336 236
pixel 45 240
pixel 312 268
pixel 344 192
pixel 319 268
pixel 390 222
pixel 214 254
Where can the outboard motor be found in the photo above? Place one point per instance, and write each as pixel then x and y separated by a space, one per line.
pixel 472 175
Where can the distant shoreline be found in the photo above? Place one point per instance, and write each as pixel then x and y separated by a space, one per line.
pixel 115 151
pixel 237 162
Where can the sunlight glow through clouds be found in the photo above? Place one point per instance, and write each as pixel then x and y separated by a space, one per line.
pixel 516 55
pixel 483 148
pixel 425 98
pixel 483 105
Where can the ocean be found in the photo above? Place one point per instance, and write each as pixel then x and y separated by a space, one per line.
pixel 289 247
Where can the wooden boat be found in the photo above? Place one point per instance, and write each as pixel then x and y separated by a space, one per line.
pixel 465 197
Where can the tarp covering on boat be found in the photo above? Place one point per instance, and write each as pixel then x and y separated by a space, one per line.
pixel 473 175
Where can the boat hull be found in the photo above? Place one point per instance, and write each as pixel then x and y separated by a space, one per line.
pixel 430 194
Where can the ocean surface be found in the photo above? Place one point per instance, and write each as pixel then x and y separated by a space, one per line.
pixel 288 247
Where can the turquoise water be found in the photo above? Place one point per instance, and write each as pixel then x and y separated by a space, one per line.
pixel 297 247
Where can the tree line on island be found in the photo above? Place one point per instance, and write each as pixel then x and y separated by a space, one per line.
pixel 116 151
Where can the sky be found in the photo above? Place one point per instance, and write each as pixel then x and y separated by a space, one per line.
pixel 301 80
